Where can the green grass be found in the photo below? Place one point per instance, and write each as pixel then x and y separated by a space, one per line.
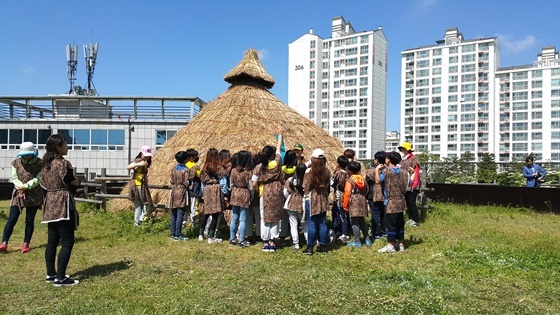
pixel 461 260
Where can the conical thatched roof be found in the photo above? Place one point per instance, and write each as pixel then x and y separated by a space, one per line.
pixel 245 117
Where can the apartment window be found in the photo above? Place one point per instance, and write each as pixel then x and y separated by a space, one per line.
pixel 363 81
pixel 536 94
pixel 553 83
pixel 311 84
pixel 468 77
pixel 452 137
pixel 452 108
pixel 452 127
pixel 469 107
pixel 468 48
pixel 436 109
pixel 436 71
pixel 553 114
pixel 312 54
pixel 436 90
pixel 363 70
pixel 364 50
pixel 453 78
pixel 312 64
pixel 534 125
pixel 364 39
pixel 423 73
pixel 520 116
pixel 312 44
pixel 522 75
pixel 468 87
pixel 422 63
pixel 536 84
pixel 523 85
pixel 453 89
pixel 453 59
pixel 468 68
pixel 468 117
pixel 468 58
pixel 536 73
pixel 452 118
pixel 364 60
pixel 453 50
pixel 436 81
pixel 453 69
pixel 423 54
pixel 436 62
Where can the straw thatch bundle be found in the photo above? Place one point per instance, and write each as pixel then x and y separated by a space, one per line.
pixel 245 117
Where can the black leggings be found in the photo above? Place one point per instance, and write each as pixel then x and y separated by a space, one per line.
pixel 411 208
pixel 60 232
pixel 213 224
pixel 29 223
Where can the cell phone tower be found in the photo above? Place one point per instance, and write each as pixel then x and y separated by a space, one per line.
pixel 72 62
pixel 90 53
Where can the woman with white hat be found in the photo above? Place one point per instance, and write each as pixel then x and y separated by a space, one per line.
pixel 26 171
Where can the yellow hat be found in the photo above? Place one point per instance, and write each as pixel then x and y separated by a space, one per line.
pixel 407 146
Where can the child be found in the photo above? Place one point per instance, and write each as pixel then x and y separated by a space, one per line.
pixel 240 197
pixel 59 209
pixel 26 172
pixel 355 203
pixel 293 191
pixel 139 191
pixel 213 195
pixel 395 181
pixel 195 186
pixel 375 198
pixel 179 199
pixel 288 168
pixel 267 180
pixel 316 188
pixel 412 191
pixel 340 217
pixel 253 213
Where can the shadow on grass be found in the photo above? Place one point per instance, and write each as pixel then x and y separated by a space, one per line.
pixel 103 270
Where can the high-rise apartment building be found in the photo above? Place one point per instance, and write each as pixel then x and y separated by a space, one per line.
pixel 455 98
pixel 340 83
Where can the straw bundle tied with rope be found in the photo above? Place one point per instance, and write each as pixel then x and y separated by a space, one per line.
pixel 245 117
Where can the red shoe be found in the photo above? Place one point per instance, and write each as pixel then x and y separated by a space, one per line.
pixel 25 248
pixel 4 247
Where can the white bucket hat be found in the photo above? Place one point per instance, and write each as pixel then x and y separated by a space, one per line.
pixel 27 148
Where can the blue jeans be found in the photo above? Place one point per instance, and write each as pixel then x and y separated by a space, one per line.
pixel 377 209
pixel 176 223
pixel 238 213
pixel 13 218
pixel 317 223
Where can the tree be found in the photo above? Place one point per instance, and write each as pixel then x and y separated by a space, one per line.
pixel 487 168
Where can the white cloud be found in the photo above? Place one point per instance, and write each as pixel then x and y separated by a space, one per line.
pixel 263 53
pixel 422 6
pixel 509 43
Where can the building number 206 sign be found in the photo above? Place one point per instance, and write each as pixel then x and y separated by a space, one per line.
pixel 299 67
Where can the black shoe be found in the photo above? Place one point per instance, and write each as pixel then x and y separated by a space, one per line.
pixel 233 241
pixel 50 279
pixel 244 244
pixel 66 282
pixel 308 250
pixel 322 249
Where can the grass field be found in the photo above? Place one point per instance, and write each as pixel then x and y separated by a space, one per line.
pixel 461 260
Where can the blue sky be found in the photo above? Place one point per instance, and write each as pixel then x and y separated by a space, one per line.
pixel 184 48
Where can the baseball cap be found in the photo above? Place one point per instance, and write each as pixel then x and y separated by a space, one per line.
pixel 146 150
pixel 298 146
pixel 318 154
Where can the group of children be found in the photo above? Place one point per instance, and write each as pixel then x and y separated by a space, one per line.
pixel 280 193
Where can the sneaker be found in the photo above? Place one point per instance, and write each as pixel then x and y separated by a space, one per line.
pixel 244 244
pixel 401 247
pixel 322 249
pixel 65 282
pixel 355 244
pixel 233 241
pixel 344 238
pixel 411 223
pixel 368 241
pixel 25 248
pixel 308 250
pixel 296 247
pixel 49 279
pixel 387 249
pixel 271 248
pixel 201 238
pixel 181 238
pixel 4 247
pixel 331 235
pixel 213 240
pixel 265 247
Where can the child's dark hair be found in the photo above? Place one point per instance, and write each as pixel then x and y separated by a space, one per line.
pixel 52 143
pixel 234 158
pixel 212 163
pixel 290 158
pixel 225 155
pixel 342 161
pixel 349 153
pixel 394 157
pixel 267 154
pixel 243 160
pixel 300 172
pixel 354 167
pixel 380 156
pixel 192 153
pixel 181 157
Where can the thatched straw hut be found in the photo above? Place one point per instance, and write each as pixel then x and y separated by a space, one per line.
pixel 245 117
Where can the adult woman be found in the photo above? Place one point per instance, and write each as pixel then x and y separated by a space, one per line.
pixel 316 189
pixel 59 209
pixel 26 171
pixel 139 191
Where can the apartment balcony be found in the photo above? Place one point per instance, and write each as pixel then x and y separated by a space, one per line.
pixel 482 130
pixel 482 140
pixel 504 151
pixel 409 69
pixel 504 101
pixel 504 91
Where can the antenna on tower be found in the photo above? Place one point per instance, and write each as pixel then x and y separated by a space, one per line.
pixel 90 53
pixel 72 61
